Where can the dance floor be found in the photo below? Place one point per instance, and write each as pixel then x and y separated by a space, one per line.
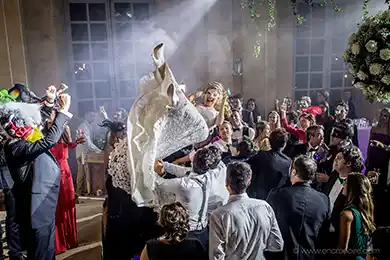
pixel 89 216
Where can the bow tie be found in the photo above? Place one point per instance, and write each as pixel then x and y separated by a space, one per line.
pixel 236 129
pixel 341 180
pixel 313 149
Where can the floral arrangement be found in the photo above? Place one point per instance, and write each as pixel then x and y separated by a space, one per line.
pixel 368 57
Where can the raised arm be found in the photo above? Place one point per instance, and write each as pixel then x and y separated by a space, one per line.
pixel 177 170
pixel 24 151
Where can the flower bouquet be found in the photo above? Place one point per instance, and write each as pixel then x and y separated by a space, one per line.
pixel 368 57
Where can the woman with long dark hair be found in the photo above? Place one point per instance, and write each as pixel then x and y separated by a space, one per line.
pixel 377 157
pixel 357 218
pixel 66 228
pixel 174 244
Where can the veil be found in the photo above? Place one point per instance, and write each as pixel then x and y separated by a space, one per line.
pixel 161 121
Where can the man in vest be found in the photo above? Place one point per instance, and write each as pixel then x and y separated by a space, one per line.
pixel 240 129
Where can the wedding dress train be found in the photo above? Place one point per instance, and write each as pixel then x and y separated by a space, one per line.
pixel 161 121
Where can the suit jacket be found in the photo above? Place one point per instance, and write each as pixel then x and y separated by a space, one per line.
pixel 298 149
pixel 270 169
pixel 339 203
pixel 36 195
pixel 302 215
pixel 251 120
pixel 6 181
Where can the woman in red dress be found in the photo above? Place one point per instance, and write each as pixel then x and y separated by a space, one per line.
pixel 66 229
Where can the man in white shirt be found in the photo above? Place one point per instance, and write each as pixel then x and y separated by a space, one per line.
pixel 200 188
pixel 86 129
pixel 244 227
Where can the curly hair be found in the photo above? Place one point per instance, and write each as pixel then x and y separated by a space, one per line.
pixel 359 191
pixel 174 219
pixel 354 156
pixel 205 159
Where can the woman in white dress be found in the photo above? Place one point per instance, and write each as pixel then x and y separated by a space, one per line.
pixel 214 106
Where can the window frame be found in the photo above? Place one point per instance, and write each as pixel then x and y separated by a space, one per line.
pixel 115 98
pixel 327 56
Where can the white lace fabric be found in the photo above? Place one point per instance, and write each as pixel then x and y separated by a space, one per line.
pixel 161 122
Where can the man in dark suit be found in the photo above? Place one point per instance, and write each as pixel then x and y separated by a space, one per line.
pixel 301 211
pixel 6 184
pixel 36 177
pixel 315 138
pixel 270 168
pixel 341 112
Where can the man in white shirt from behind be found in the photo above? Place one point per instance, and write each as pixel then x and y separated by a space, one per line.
pixel 243 228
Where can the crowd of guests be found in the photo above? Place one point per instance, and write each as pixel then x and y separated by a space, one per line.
pixel 291 187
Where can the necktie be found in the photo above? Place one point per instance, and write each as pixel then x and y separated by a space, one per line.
pixel 341 180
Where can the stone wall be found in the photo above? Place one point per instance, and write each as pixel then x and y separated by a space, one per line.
pixel 34 49
pixel 13 66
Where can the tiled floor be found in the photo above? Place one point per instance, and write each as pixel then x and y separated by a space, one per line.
pixel 89 216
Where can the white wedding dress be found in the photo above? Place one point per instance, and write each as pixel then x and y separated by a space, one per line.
pixel 161 121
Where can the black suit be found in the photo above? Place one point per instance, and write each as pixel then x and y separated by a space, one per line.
pixel 302 215
pixel 12 228
pixel 340 201
pixel 37 178
pixel 331 238
pixel 298 149
pixel 270 170
pixel 328 130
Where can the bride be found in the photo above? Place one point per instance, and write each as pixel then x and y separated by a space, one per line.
pixel 161 121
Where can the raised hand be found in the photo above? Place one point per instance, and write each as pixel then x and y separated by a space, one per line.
pixel 64 102
pixel 51 93
pixel 103 112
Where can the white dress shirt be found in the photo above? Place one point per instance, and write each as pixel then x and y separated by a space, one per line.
pixel 335 192
pixel 243 229
pixel 189 192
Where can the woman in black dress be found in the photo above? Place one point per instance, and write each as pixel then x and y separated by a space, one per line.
pixel 174 219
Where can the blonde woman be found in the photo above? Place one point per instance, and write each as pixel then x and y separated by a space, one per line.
pixel 214 104
pixel 274 120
